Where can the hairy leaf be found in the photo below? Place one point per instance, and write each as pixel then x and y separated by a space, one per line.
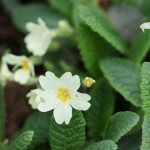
pixel 120 124
pixel 39 123
pixel 31 12
pixel 68 137
pixel 124 76
pixel 2 115
pixel 102 106
pixel 23 141
pixel 145 94
pixel 97 20
pixel 103 145
pixel 140 46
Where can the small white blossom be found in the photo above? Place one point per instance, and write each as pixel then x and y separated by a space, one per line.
pixel 88 82
pixel 35 97
pixel 39 37
pixel 23 67
pixel 61 95
pixel 5 74
pixel 145 26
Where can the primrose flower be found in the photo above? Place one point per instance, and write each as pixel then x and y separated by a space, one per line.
pixel 23 67
pixel 145 26
pixel 5 74
pixel 61 95
pixel 39 37
pixel 88 82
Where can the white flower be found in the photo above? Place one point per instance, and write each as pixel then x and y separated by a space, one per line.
pixel 5 74
pixel 23 67
pixel 35 97
pixel 145 26
pixel 61 95
pixel 88 82
pixel 39 37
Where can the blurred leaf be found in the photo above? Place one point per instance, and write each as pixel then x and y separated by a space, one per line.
pixel 98 21
pixel 92 49
pixel 131 2
pixel 120 124
pixel 131 142
pixel 145 94
pixel 140 46
pixel 145 7
pixel 23 141
pixel 124 76
pixel 10 5
pixel 102 106
pixel 30 12
pixel 68 137
pixel 2 114
pixel 103 145
pixel 64 6
pixel 39 123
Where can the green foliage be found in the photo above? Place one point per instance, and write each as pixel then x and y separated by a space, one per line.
pixel 103 145
pixel 145 94
pixel 124 76
pixel 2 115
pixel 22 14
pixel 131 2
pixel 120 124
pixel 140 46
pixel 23 141
pixel 92 49
pixel 64 6
pixel 39 123
pixel 68 137
pixel 97 20
pixel 102 106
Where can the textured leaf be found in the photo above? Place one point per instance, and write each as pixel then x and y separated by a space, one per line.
pixel 68 137
pixel 145 94
pixel 102 106
pixel 92 49
pixel 39 123
pixel 2 115
pixel 120 124
pixel 97 20
pixel 23 141
pixel 140 46
pixel 64 6
pixel 124 76
pixel 30 13
pixel 103 145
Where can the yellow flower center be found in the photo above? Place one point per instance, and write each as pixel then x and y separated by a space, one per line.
pixel 25 64
pixel 63 94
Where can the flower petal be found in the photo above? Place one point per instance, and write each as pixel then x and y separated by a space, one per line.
pixel 145 26
pixel 59 113
pixel 69 81
pixel 83 96
pixel 48 84
pixel 22 76
pixel 67 113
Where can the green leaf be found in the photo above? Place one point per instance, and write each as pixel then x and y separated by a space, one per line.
pixel 120 124
pixel 30 12
pixel 145 94
pixel 92 49
pixel 130 2
pixel 102 106
pixel 2 115
pixel 23 141
pixel 97 20
pixel 64 6
pixel 140 46
pixel 68 137
pixel 103 145
pixel 39 123
pixel 130 142
pixel 124 76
